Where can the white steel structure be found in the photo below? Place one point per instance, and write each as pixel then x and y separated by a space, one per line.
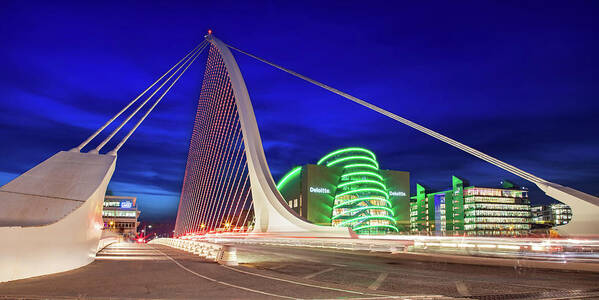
pixel 272 214
pixel 51 216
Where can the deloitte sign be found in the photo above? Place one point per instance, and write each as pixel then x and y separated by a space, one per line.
pixel 319 190
pixel 398 193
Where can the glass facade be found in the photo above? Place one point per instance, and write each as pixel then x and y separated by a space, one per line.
pixel 346 188
pixel 476 211
pixel 120 214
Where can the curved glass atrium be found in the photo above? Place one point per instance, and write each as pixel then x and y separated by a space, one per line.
pixel 361 198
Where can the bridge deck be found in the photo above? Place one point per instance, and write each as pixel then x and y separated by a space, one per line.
pixel 155 271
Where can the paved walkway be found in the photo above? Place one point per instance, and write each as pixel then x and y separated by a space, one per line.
pixel 140 271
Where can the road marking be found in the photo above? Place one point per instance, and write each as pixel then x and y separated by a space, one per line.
pixel 377 283
pixel 305 284
pixel 339 265
pixel 318 273
pixel 221 282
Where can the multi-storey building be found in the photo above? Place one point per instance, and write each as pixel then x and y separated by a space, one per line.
pixel 346 188
pixel 471 210
pixel 120 214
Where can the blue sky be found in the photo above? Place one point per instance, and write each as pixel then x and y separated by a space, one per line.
pixel 516 80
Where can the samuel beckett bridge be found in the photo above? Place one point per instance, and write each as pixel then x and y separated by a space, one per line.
pixel 51 215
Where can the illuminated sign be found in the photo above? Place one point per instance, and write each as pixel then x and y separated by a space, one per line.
pixel 319 190
pixel 399 193
pixel 126 204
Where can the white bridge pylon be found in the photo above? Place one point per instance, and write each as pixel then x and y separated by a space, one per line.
pixel 271 213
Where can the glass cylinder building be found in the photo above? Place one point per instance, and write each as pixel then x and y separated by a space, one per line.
pixel 361 198
pixel 346 188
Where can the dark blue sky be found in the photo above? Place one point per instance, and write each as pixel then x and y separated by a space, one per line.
pixel 517 80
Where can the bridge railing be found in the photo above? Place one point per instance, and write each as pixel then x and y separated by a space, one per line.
pixel 220 253
pixel 330 243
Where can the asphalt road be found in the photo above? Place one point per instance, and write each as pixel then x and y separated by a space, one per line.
pixel 139 271
pixel 386 272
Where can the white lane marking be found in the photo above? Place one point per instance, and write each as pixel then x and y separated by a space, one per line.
pixel 318 273
pixel 221 282
pixel 129 258
pixel 305 284
pixel 377 283
pixel 339 265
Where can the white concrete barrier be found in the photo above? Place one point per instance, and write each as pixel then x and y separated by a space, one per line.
pixel 223 254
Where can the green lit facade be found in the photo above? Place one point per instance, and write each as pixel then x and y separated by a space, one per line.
pixel 347 188
pixel 475 211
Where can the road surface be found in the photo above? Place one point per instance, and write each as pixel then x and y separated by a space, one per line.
pixel 137 271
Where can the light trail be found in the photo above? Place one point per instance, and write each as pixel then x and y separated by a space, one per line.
pixel 530 249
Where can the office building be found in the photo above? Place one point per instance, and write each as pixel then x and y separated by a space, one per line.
pixel 346 188
pixel 471 210
pixel 120 215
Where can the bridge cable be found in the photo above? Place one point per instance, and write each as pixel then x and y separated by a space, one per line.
pixel 452 142
pixel 191 60
pixel 229 171
pixel 131 115
pixel 224 109
pixel 197 156
pixel 91 137
pixel 213 135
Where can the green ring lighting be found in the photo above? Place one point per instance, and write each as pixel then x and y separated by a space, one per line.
pixel 363 181
pixel 355 157
pixel 366 218
pixel 344 150
pixel 362 190
pixel 360 200
pixel 288 176
pixel 363 200
pixel 361 166
pixel 371 226
pixel 361 209
pixel 372 203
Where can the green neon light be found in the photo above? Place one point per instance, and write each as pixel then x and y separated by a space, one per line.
pixel 366 218
pixel 363 208
pixel 288 177
pixel 360 200
pixel 363 173
pixel 360 163
pixel 360 166
pixel 362 182
pixel 370 226
pixel 355 157
pixel 350 149
pixel 363 190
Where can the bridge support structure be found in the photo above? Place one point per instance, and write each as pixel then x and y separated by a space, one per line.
pixel 271 213
pixel 51 216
